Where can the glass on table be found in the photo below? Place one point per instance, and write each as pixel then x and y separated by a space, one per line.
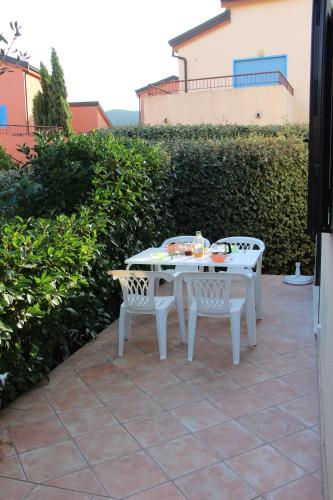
pixel 188 248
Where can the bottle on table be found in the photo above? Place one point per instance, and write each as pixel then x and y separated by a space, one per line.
pixel 198 245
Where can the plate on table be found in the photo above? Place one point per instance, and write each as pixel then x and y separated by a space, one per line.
pixel 159 255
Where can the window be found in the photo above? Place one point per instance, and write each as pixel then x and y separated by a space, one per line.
pixel 259 71
pixel 3 116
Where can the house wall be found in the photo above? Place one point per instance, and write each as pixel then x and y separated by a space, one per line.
pixel 257 27
pixel 84 118
pixel 33 86
pixel 274 103
pixel 13 96
pixel 325 358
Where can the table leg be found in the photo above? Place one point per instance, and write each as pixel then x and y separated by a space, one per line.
pixel 250 313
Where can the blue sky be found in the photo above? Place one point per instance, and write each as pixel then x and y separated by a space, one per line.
pixel 107 48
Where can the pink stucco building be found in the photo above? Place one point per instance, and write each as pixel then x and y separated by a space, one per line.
pixel 17 90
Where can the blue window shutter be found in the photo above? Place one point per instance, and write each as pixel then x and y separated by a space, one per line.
pixel 3 115
pixel 259 65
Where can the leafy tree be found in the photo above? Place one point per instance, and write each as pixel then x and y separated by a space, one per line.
pixel 7 48
pixel 42 98
pixel 50 106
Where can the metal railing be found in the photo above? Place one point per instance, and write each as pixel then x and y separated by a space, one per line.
pixel 216 82
pixel 26 129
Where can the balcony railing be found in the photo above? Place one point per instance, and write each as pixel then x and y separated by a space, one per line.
pixel 217 82
pixel 25 129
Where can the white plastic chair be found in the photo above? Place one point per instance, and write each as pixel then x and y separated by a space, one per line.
pixel 245 243
pixel 139 298
pixel 178 287
pixel 209 295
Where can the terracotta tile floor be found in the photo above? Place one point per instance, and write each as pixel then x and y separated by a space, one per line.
pixel 138 428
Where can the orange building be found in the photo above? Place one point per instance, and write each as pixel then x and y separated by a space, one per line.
pixel 88 116
pixel 17 90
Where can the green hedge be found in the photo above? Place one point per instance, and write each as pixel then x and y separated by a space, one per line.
pixel 53 271
pixel 161 133
pixel 6 162
pixel 44 267
pixel 251 186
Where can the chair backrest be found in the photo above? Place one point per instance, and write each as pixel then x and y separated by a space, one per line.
pixel 138 288
pixel 185 239
pixel 244 242
pixel 212 290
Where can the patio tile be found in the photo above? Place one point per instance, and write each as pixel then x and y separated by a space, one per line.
pixel 87 420
pixel 39 411
pixel 72 399
pixel 265 468
pixel 166 491
pixel 175 395
pixel 200 415
pixel 189 370
pixel 119 387
pixel 51 461
pixel 306 380
pixel 132 363
pixel 291 362
pixel 229 439
pixel 212 385
pixel 106 444
pixel 239 402
pixel 271 424
pixel 48 493
pixel 11 467
pixel 135 406
pixel 10 489
pixel 305 488
pixel 156 379
pixel 28 400
pixel 219 362
pixel 182 456
pixel 303 448
pixel 83 480
pixel 258 353
pixel 156 429
pixel 130 474
pixel 9 417
pixel 305 409
pixel 6 445
pixel 35 435
pixel 98 373
pixel 276 391
pixel 248 374
pixel 217 482
pixel 63 380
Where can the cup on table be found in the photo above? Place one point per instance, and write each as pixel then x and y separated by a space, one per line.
pixel 188 248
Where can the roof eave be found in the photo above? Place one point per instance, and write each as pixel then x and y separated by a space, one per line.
pixel 201 28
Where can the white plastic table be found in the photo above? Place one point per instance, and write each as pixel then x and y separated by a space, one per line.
pixel 240 259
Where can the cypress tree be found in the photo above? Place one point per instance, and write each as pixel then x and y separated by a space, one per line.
pixel 50 106
pixel 41 100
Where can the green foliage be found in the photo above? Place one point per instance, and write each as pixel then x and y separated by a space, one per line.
pixel 6 162
pixel 50 106
pixel 125 184
pixel 44 269
pixel 251 186
pixel 41 100
pixel 166 133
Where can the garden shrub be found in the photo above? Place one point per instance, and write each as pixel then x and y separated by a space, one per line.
pixel 166 133
pixel 6 163
pixel 44 269
pixel 251 186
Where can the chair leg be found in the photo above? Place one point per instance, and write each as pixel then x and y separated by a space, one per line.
pixel 161 324
pixel 192 320
pixel 235 336
pixel 251 315
pixel 128 326
pixel 258 293
pixel 122 328
pixel 178 291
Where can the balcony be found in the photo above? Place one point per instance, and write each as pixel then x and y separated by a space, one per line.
pixel 26 130
pixel 218 82
pixel 255 98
